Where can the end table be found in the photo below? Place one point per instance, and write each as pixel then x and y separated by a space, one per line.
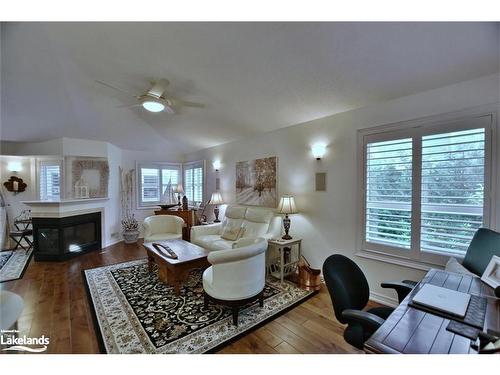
pixel 283 257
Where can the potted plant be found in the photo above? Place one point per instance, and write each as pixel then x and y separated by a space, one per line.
pixel 130 227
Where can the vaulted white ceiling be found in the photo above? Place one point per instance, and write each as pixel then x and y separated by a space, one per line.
pixel 252 77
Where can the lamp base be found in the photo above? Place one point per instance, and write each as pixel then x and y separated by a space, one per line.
pixel 216 213
pixel 286 225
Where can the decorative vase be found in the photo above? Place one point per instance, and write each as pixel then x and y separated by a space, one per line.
pixel 130 236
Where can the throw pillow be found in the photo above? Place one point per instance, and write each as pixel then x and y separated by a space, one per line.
pixel 231 234
pixel 453 266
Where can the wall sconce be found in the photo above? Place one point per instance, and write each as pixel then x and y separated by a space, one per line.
pixel 216 164
pixel 318 150
pixel 14 166
pixel 15 185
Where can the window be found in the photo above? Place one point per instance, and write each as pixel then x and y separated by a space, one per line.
pixel 425 189
pixel 153 179
pixel 49 180
pixel 194 182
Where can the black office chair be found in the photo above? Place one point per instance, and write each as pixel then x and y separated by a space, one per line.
pixel 350 292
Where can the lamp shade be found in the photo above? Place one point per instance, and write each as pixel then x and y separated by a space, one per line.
pixel 287 205
pixel 216 198
pixel 178 189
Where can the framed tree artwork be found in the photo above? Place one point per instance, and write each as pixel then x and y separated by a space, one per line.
pixel 256 182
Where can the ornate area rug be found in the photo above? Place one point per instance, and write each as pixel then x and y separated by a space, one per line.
pixel 13 263
pixel 137 313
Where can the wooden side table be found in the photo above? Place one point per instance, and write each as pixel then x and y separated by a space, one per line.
pixel 283 256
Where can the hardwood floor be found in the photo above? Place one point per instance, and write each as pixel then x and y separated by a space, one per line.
pixel 56 305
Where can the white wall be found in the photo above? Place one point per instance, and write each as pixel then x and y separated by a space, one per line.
pixel 327 220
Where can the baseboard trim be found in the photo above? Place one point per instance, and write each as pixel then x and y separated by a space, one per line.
pixel 113 242
pixel 384 300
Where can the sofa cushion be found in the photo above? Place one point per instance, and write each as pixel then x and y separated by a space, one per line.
pixel 235 212
pixel 231 234
pixel 259 215
pixel 254 229
pixel 232 224
pixel 213 242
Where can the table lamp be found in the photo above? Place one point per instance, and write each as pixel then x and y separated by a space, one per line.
pixel 216 199
pixel 178 189
pixel 287 206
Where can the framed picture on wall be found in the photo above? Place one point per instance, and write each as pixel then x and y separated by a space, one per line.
pixel 256 182
pixel 491 275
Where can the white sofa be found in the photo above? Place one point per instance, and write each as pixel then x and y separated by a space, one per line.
pixel 162 227
pixel 257 221
pixel 237 276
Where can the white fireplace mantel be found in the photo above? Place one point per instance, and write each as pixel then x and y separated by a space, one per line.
pixel 65 207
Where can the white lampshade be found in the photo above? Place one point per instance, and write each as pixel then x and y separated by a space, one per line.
pixel 216 198
pixel 287 205
pixel 178 189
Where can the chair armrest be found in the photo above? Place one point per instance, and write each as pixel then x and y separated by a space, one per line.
pixel 237 254
pixel 370 322
pixel 147 229
pixel 245 241
pixel 203 230
pixel 401 288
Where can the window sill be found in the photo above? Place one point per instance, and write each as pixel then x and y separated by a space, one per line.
pixel 404 262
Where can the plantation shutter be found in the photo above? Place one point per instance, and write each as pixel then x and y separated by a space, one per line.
pixel 452 194
pixel 389 193
pixel 50 180
pixel 150 185
pixel 194 182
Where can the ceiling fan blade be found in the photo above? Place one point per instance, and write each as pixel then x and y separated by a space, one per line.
pixel 116 88
pixel 129 105
pixel 184 103
pixel 159 87
pixel 169 110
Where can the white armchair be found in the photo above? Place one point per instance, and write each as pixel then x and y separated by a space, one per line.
pixel 162 227
pixel 237 276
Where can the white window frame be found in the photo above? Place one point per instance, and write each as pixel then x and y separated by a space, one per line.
pixel 138 185
pixel 50 161
pixel 186 166
pixel 416 129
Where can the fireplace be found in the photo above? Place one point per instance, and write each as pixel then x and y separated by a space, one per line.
pixel 65 237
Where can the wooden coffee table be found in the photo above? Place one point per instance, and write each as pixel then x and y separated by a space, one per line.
pixel 175 271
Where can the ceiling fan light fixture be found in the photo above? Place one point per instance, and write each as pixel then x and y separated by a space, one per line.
pixel 153 106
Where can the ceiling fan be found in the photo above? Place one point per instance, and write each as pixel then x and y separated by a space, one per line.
pixel 154 99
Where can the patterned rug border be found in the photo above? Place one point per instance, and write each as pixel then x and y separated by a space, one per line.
pixel 97 327
pixel 95 321
pixel 25 265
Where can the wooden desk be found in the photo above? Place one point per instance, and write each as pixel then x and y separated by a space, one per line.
pixel 188 216
pixel 410 330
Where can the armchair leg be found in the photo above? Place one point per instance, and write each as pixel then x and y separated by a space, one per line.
pixel 205 300
pixel 235 315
